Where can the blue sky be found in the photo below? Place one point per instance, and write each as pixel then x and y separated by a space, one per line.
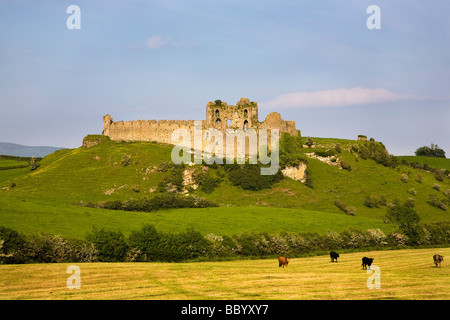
pixel 314 61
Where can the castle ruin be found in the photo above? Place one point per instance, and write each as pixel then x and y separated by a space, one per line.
pixel 219 115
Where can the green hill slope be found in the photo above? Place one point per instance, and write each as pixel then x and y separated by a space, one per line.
pixel 437 163
pixel 46 199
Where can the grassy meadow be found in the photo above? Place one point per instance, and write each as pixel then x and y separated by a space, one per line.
pixel 404 275
pixel 438 163
pixel 75 222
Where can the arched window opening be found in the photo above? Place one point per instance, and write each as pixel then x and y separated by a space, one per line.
pixel 218 122
pixel 245 113
pixel 228 122
pixel 245 125
pixel 217 113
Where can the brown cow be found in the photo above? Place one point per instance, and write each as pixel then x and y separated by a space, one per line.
pixel 282 261
pixel 438 259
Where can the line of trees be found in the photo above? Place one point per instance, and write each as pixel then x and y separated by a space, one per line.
pixel 149 244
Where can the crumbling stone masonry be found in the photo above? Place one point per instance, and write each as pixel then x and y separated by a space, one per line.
pixel 219 115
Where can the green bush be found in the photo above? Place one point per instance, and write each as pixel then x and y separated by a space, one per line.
pixel 12 246
pixel 165 166
pixel 83 251
pixel 436 202
pixel 155 246
pixel 377 151
pixel 438 233
pixel 347 209
pixel 126 160
pixel 45 248
pixel 376 238
pixel 181 246
pixel 346 166
pixel 406 220
pixel 146 241
pixel 290 150
pixel 447 192
pixel 353 239
pixel 410 202
pixel 207 181
pixel 159 202
pixel 404 177
pixel 13 241
pixel 325 153
pixel 440 175
pixel 308 180
pixel 111 245
pixel 175 178
pixel 251 244
pixel 309 142
pixel 375 201
pixel 248 177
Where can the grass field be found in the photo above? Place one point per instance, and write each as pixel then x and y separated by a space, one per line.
pixel 74 221
pixel 437 163
pixel 404 274
pixel 7 163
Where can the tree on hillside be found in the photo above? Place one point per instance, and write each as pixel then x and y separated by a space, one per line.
pixel 432 151
pixel 406 219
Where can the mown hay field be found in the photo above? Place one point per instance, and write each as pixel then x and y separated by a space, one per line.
pixel 404 274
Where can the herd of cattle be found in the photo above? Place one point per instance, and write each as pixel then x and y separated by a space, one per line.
pixel 366 262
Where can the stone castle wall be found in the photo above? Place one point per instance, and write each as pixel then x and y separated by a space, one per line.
pixel 143 130
pixel 219 115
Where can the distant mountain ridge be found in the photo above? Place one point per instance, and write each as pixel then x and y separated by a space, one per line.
pixel 18 150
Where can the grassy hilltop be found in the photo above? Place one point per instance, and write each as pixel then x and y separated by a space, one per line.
pixel 351 190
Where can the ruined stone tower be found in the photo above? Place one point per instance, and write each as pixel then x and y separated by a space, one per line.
pixel 219 115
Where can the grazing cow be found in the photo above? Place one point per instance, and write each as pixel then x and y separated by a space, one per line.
pixel 334 256
pixel 282 261
pixel 366 262
pixel 438 259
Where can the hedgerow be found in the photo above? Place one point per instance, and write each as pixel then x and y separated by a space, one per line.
pixel 162 201
pixel 148 244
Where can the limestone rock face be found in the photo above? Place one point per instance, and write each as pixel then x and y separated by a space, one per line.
pixel 295 172
pixel 93 140
pixel 188 179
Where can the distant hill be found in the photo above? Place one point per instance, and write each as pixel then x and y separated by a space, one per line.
pixel 13 149
pixel 349 183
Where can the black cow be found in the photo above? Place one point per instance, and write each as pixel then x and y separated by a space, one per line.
pixel 438 259
pixel 366 262
pixel 334 256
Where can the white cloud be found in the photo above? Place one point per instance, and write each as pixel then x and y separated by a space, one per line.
pixel 335 98
pixel 156 42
